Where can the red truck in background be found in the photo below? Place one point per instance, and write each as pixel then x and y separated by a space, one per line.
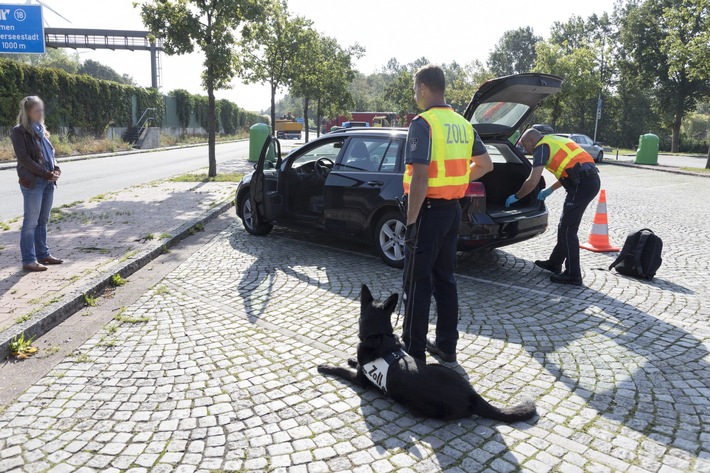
pixel 372 119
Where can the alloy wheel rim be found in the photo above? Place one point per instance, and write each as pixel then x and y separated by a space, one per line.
pixel 392 239
pixel 248 215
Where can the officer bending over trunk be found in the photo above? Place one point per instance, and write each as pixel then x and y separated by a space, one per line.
pixel 443 154
pixel 575 170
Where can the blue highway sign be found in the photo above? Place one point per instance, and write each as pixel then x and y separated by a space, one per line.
pixel 21 29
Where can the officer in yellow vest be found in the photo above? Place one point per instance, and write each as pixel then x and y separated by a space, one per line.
pixel 575 170
pixel 443 154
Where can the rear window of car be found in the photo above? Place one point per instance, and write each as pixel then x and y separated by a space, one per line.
pixel 499 113
pixel 501 154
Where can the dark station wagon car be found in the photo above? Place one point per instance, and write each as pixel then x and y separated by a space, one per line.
pixel 349 181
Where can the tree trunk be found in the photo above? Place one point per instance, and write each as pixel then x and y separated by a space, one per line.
pixel 675 140
pixel 305 116
pixel 707 163
pixel 211 129
pixel 318 118
pixel 273 109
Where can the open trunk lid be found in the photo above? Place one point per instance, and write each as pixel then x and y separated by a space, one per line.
pixel 501 106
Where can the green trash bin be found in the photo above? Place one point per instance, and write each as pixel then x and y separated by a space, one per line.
pixel 257 138
pixel 648 149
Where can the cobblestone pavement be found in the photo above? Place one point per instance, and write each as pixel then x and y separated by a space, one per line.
pixel 214 368
pixel 91 234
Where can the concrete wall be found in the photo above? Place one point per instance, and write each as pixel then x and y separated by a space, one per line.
pixel 150 139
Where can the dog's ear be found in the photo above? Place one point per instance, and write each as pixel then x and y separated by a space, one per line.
pixel 391 303
pixel 365 295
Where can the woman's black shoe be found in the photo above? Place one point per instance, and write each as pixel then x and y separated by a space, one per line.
pixel 565 278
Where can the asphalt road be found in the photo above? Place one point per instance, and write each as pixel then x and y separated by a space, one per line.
pixel 82 180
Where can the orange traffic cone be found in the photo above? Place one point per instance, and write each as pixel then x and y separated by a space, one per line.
pixel 599 238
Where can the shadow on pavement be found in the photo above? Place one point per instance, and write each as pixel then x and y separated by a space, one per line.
pixel 90 235
pixel 471 443
pixel 629 366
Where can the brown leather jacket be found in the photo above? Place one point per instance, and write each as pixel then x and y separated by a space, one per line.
pixel 30 164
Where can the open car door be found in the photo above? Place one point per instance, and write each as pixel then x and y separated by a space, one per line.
pixel 266 201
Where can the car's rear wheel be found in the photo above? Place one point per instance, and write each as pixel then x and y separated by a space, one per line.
pixel 249 221
pixel 599 157
pixel 389 238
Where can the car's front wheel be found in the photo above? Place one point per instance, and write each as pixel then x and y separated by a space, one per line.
pixel 389 238
pixel 249 220
pixel 599 157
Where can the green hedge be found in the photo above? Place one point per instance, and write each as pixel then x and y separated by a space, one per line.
pixel 73 101
pixel 80 101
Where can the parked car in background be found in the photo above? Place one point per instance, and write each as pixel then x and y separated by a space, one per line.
pixel 544 129
pixel 594 149
pixel 349 181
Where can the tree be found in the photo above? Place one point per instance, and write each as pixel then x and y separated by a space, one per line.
pixel 688 44
pixel 323 74
pixel 271 46
pixel 185 105
pixel 667 41
pixel 56 58
pixel 208 25
pixel 101 71
pixel 514 53
pixel 569 107
pixel 463 81
pixel 399 91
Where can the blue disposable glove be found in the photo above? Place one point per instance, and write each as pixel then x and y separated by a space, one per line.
pixel 545 193
pixel 511 200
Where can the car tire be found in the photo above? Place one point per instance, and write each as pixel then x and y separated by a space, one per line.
pixel 389 238
pixel 248 220
pixel 599 157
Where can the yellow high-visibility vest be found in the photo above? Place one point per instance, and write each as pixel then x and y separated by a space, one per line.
pixel 452 139
pixel 564 154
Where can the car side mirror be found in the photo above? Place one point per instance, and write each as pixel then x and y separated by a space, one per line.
pixel 269 165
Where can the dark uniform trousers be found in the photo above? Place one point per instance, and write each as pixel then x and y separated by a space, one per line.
pixel 578 198
pixel 429 270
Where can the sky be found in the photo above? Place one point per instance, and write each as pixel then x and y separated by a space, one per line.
pixel 443 31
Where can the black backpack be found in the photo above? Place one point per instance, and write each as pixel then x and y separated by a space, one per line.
pixel 641 255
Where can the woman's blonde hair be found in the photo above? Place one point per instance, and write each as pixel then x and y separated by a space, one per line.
pixel 23 118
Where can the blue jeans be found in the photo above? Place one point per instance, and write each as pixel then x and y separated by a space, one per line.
pixel 38 204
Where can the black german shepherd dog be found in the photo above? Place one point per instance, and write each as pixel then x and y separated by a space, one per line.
pixel 433 391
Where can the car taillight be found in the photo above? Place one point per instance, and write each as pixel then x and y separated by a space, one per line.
pixel 476 189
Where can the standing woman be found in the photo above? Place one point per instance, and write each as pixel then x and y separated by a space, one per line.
pixel 38 174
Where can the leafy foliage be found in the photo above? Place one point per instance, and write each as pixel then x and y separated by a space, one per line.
pixel 270 49
pixel 187 25
pixel 101 71
pixel 667 43
pixel 185 103
pixel 514 53
pixel 72 101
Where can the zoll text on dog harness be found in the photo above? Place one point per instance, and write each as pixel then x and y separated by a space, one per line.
pixel 376 370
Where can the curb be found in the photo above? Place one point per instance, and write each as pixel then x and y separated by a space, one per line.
pixel 51 316
pixel 84 157
pixel 658 168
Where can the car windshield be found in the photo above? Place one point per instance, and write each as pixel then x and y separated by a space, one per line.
pixel 499 113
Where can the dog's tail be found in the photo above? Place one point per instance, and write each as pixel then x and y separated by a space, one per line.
pixel 523 411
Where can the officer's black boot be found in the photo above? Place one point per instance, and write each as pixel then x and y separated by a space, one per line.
pixel 548 265
pixel 432 348
pixel 565 278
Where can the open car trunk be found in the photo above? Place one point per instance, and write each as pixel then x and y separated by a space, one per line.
pixel 504 180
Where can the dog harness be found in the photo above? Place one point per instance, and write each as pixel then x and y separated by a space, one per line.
pixel 376 370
